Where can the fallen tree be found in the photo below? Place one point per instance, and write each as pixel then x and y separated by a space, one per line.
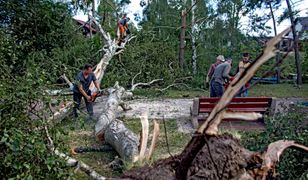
pixel 208 155
pixel 212 156
pixel 113 131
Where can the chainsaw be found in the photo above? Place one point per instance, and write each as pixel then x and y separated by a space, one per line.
pixel 96 94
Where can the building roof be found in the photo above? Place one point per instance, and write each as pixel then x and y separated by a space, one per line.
pixel 86 25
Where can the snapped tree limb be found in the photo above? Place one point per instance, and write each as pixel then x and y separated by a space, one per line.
pixel 144 136
pixel 156 132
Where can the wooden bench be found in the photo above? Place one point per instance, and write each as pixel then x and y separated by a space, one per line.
pixel 204 105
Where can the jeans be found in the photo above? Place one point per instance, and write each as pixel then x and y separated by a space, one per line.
pixel 77 101
pixel 243 92
pixel 217 89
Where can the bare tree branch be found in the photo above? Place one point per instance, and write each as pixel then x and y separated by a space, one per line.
pixel 273 153
pixel 173 85
pixel 106 36
pixel 71 161
pixel 145 84
pixel 142 84
pixel 119 52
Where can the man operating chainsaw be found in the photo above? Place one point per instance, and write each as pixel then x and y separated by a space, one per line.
pixel 82 89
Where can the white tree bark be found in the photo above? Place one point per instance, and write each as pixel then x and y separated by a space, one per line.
pixel 144 136
pixel 113 131
pixel 193 36
pixel 123 140
pixel 111 49
pixel 110 110
pixel 156 132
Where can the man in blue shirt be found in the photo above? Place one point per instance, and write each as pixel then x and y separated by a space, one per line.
pixel 220 75
pixel 82 89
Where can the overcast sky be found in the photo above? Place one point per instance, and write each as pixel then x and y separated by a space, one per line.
pixel 135 8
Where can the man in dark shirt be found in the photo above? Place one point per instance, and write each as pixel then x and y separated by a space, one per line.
pixel 82 89
pixel 220 75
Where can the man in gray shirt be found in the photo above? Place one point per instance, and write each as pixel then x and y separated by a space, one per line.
pixel 220 75
pixel 82 89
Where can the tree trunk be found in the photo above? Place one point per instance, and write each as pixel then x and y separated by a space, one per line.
pixel 182 38
pixel 296 50
pixel 123 140
pixel 113 131
pixel 193 37
pixel 275 32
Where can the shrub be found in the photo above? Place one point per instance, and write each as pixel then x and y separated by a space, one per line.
pixel 292 126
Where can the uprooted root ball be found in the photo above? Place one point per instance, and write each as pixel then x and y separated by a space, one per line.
pixel 205 157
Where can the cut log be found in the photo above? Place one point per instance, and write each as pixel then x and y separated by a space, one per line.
pixel 123 140
pixel 110 110
pixel 113 131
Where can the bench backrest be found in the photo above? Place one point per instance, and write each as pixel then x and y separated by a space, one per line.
pixel 239 104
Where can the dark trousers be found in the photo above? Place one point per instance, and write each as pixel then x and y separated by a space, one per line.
pixel 77 101
pixel 217 89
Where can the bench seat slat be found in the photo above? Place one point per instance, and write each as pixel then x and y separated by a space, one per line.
pixel 207 110
pixel 237 105
pixel 237 99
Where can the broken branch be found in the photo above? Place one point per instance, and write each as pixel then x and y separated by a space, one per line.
pixel 156 132
pixel 71 161
pixel 273 153
pixel 144 135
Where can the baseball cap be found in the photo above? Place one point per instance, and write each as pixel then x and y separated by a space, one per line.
pixel 221 58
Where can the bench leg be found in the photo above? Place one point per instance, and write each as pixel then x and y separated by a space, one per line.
pixel 272 111
pixel 194 113
pixel 194 121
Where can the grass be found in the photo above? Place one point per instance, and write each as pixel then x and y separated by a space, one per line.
pixel 279 90
pixel 81 134
pixel 176 140
pixel 270 90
